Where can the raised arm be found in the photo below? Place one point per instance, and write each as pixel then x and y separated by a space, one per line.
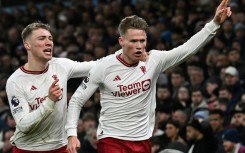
pixel 222 12
pixel 199 40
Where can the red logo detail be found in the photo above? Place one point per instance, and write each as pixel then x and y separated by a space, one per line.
pixel 55 77
pixel 33 87
pixel 117 78
pixel 143 69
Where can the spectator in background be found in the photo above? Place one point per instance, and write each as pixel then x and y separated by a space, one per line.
pixel 184 98
pixel 163 114
pixel 89 144
pixel 181 117
pixel 221 63
pixel 232 80
pixel 232 142
pixel 212 89
pixel 164 97
pixel 210 61
pixel 172 130
pixel 227 93
pixel 237 120
pixel 200 135
pixel 177 78
pixel 196 75
pixel 197 101
pixel 227 35
pixel 234 57
pixel 216 120
pixel 240 32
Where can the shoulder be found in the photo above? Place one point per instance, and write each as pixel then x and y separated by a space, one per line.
pixel 106 61
pixel 156 52
pixel 56 60
pixel 15 76
pixel 156 55
pixel 105 64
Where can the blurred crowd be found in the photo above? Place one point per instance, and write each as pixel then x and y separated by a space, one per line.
pixel 208 89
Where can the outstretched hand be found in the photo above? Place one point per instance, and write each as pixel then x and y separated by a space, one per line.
pixel 222 12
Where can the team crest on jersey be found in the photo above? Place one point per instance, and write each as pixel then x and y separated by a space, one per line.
pixel 55 77
pixel 143 69
pixel 15 101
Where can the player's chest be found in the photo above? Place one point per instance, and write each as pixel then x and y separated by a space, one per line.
pixel 36 88
pixel 130 79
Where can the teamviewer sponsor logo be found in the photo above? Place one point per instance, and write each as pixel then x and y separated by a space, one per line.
pixel 146 85
pixel 132 89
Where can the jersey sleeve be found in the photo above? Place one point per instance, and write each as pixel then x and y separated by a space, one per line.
pixel 81 95
pixel 26 121
pixel 80 69
pixel 77 69
pixel 177 55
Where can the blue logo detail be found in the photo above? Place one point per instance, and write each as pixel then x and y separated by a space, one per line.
pixel 14 101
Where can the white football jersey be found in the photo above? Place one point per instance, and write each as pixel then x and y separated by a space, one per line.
pixel 40 121
pixel 128 91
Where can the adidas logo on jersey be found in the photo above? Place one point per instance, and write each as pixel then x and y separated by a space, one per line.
pixel 117 78
pixel 33 87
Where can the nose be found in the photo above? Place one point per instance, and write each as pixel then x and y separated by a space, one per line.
pixel 139 45
pixel 49 42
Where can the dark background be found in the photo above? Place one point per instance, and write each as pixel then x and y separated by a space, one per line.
pixel 7 3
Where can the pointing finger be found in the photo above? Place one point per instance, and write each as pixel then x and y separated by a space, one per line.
pixel 54 83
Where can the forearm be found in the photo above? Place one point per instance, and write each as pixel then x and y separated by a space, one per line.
pixel 82 94
pixel 28 122
pixel 193 45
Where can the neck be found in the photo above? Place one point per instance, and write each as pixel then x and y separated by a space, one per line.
pixel 36 63
pixel 35 66
pixel 125 58
pixel 173 139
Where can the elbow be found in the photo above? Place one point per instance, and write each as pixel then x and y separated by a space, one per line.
pixel 23 128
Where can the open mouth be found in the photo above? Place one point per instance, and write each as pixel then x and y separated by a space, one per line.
pixel 47 51
pixel 138 53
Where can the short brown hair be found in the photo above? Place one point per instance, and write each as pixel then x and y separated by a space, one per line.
pixel 33 26
pixel 132 22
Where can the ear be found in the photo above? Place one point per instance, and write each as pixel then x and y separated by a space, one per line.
pixel 120 40
pixel 26 45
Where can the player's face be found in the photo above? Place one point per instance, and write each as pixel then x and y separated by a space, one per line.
pixel 40 45
pixel 133 44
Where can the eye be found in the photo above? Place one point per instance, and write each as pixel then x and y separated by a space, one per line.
pixel 133 41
